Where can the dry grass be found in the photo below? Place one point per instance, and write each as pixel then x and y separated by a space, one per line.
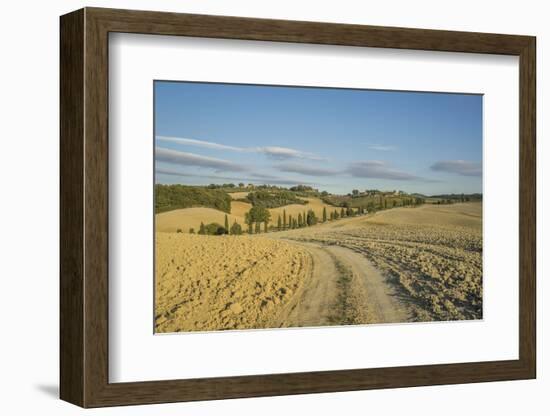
pixel 239 208
pixel 224 282
pixel 183 219
pixel 187 218
pixel 314 204
pixel 238 195
pixel 464 215
pixel 351 306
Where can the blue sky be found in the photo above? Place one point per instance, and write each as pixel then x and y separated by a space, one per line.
pixel 333 139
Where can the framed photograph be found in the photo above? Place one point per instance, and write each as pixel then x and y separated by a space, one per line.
pixel 255 207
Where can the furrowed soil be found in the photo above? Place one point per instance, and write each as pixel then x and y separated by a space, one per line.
pixel 224 282
pixel 430 257
pixel 398 265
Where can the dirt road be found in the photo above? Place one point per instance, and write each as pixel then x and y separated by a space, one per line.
pixel 312 305
pixel 381 298
pixel 344 288
pixel 398 265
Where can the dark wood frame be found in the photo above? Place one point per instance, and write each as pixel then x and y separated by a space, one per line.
pixel 84 207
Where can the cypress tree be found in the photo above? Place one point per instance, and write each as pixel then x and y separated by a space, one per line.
pixel 342 213
pixel 279 223
pixel 324 214
pixel 284 218
pixel 202 230
pixel 226 224
pixel 248 221
pixel 300 220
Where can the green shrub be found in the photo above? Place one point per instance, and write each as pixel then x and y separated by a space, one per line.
pixel 311 218
pixel 276 199
pixel 236 229
pixel 214 229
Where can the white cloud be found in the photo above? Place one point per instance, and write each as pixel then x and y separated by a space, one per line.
pixel 382 148
pixel 275 152
pixel 191 159
pixel 285 153
pixel 251 178
pixel 305 169
pixel 199 143
pixel 459 167
pixel 379 170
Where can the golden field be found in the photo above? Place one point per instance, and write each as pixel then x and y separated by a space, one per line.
pixel 224 282
pixel 187 218
pixel 238 195
pixel 398 265
pixel 432 254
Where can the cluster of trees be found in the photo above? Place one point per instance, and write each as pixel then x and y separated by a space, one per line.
pixel 348 212
pixel 302 188
pixel 385 202
pixel 214 228
pixel 258 218
pixel 372 202
pixel 170 197
pixel 450 198
pixel 267 199
pixel 305 219
pixel 255 217
pixel 231 186
pixel 223 185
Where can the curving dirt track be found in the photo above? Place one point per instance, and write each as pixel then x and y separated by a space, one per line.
pixel 344 288
pixel 421 264
pixel 312 304
pixel 399 265
pixel 381 298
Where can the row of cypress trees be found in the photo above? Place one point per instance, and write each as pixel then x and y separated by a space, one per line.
pixel 261 215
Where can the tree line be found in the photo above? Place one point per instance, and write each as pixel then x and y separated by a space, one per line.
pixel 215 228
pixel 273 199
pixel 170 197
pixel 258 218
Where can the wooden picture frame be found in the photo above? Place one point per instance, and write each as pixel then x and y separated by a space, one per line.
pixel 84 207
